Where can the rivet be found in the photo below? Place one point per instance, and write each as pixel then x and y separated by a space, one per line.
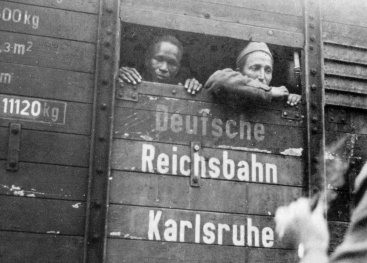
pixel 196 147
pixel 207 16
pixel 313 71
pixel 95 237
pixel 109 10
pixel 101 139
pixel 312 25
pixel 135 87
pixel 103 106
pixel 285 113
pixel 297 115
pixel 311 47
pixel 311 17
pixel 120 94
pixel 133 96
pixel 314 129
pixel 97 204
pixel 14 131
pixel 315 119
pixel 174 91
pixel 107 44
pixel 195 180
pixel 270 32
pixel 332 119
pixel 106 56
pixel 99 171
pixel 313 104
pixel 104 82
pixel 312 38
pixel 109 31
pixel 12 164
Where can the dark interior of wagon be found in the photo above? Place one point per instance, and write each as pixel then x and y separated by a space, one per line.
pixel 203 54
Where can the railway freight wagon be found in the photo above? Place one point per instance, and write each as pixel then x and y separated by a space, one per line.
pixel 93 170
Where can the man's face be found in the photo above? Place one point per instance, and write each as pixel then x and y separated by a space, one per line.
pixel 258 65
pixel 164 62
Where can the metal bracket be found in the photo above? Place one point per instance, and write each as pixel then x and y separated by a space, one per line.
pixel 337 116
pixel 127 92
pixel 195 151
pixel 291 115
pixel 315 96
pixel 14 147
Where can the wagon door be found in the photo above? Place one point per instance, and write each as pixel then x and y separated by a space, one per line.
pixel 192 179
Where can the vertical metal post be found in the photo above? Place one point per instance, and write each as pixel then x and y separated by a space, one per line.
pixel 315 96
pixel 101 136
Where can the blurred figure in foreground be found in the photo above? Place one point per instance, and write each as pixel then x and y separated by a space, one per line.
pixel 309 228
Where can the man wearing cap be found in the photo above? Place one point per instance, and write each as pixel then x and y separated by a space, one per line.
pixel 249 83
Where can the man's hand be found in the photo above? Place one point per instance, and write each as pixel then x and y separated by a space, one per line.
pixel 129 75
pixel 279 92
pixel 293 99
pixel 192 86
pixel 303 225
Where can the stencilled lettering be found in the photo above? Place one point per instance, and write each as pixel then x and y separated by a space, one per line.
pixel 5 77
pixel 204 126
pixel 246 233
pixel 249 170
pixel 37 110
pixel 16 48
pixel 18 16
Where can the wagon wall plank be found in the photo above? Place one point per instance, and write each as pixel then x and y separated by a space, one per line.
pixel 213 195
pixel 46 52
pixel 223 13
pixel 162 252
pixel 48 22
pixel 40 248
pixel 52 148
pixel 46 181
pixel 46 83
pixel 206 26
pixel 41 215
pixel 90 6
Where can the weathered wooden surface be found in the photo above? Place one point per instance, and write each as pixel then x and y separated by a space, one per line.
pixel 345 54
pixel 120 250
pixel 346 100
pixel 213 195
pixel 290 7
pixel 342 84
pixel 142 125
pixel 222 12
pixel 350 12
pixel 144 223
pixel 46 181
pixel 40 248
pixel 41 215
pixel 346 70
pixel 60 116
pixel 342 34
pixel 47 52
pixel 48 22
pixel 147 157
pixel 51 148
pixel 210 110
pixel 46 83
pixel 204 25
pixel 90 6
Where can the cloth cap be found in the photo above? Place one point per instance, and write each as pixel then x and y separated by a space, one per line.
pixel 252 47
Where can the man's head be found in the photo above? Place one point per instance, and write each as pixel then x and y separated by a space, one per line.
pixel 163 59
pixel 256 62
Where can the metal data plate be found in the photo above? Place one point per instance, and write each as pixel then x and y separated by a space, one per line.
pixel 32 109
